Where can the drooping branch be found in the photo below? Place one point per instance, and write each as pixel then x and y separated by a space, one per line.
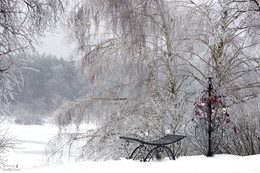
pixel 21 23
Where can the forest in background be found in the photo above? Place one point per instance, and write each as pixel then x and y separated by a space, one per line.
pixel 48 83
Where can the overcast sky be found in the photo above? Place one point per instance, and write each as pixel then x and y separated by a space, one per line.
pixel 55 44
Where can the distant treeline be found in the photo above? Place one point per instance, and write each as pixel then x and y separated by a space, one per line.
pixel 48 83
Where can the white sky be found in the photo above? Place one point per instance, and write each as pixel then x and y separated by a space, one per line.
pixel 55 44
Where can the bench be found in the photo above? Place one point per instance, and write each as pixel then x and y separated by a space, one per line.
pixel 147 149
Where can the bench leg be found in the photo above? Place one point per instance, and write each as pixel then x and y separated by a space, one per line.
pixel 135 152
pixel 138 150
pixel 169 152
pixel 163 148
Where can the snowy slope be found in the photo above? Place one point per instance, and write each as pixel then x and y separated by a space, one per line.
pixel 31 140
pixel 191 164
pixel 29 158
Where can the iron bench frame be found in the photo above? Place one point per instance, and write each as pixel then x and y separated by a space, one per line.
pixel 150 147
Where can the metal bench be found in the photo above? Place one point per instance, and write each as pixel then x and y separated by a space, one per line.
pixel 147 149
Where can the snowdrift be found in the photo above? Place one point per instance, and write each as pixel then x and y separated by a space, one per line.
pixel 29 157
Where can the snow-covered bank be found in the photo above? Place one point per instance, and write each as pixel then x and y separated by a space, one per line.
pixel 33 139
pixel 190 164
pixel 31 142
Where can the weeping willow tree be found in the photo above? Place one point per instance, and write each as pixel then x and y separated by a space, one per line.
pixel 131 52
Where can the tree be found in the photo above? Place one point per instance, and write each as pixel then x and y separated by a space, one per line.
pixel 21 24
pixel 226 33
pixel 229 52
pixel 131 54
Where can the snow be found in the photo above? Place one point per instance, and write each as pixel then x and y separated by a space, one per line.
pixel 32 140
pixel 30 158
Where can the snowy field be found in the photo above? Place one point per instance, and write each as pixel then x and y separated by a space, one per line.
pixel 33 139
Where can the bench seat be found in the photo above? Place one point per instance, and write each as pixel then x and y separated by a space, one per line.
pixel 147 149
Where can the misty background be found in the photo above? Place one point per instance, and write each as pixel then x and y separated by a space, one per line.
pixel 48 83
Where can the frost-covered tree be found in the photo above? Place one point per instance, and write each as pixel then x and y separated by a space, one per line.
pixel 131 53
pixel 21 24
pixel 223 29
pixel 226 33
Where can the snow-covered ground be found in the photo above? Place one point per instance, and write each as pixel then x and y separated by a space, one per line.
pixel 34 138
